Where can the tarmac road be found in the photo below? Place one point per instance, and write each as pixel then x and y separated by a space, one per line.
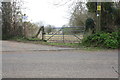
pixel 26 60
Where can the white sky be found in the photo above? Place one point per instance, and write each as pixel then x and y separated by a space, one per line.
pixel 44 10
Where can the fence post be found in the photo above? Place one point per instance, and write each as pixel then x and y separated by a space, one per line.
pixel 63 35
pixel 43 33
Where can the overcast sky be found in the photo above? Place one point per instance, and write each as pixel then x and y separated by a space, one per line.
pixel 47 12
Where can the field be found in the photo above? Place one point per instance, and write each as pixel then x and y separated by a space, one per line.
pixel 64 38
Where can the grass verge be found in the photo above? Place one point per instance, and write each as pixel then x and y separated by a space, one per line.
pixel 72 45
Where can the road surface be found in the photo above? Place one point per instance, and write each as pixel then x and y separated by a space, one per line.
pixel 26 60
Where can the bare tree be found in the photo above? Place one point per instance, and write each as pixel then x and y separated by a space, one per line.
pixel 49 29
pixel 79 15
pixel 11 18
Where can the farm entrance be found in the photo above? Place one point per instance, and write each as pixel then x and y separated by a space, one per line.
pixel 65 35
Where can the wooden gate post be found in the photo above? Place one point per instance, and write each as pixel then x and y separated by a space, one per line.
pixel 43 33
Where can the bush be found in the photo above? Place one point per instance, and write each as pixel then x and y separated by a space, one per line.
pixel 89 23
pixel 108 40
pixel 35 39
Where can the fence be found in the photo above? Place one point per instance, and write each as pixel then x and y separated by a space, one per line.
pixel 65 35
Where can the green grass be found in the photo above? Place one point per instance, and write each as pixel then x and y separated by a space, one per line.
pixel 65 44
pixel 72 45
pixel 19 39
pixel 23 39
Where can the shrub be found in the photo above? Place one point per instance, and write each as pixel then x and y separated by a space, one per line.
pixel 108 40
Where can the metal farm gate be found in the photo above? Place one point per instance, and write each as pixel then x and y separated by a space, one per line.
pixel 65 35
